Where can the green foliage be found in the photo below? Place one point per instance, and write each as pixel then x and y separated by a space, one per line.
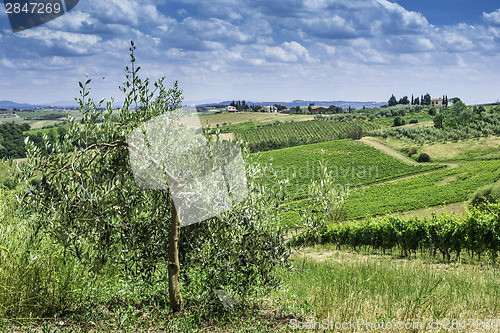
pixel 404 100
pixel 489 125
pixel 12 140
pixel 355 132
pixel 44 116
pixel 486 195
pixel 398 122
pixel 239 251
pixel 325 206
pixel 423 157
pixel 36 281
pixel 438 121
pixel 453 123
pixel 87 199
pixel 477 233
pixel 9 183
pixel 426 100
pixel 392 101
pixel 412 151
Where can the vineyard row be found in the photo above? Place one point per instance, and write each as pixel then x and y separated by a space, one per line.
pixel 478 233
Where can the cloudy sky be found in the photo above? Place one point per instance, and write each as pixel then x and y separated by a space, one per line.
pixel 261 50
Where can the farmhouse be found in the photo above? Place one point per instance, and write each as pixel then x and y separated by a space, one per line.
pixel 271 108
pixel 231 108
pixel 316 109
pixel 438 102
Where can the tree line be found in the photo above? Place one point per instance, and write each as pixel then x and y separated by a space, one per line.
pixel 422 100
pixel 12 139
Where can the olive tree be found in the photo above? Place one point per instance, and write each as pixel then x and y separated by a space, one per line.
pixel 87 197
pixel 81 190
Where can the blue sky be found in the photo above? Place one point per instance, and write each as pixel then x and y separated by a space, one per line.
pixel 280 50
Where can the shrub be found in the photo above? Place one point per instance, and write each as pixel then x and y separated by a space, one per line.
pixel 423 158
pixel 354 132
pixel 9 183
pixel 412 151
pixel 486 195
pixel 397 122
pixel 414 121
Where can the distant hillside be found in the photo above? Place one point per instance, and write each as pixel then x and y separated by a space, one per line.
pixel 72 103
pixel 14 105
pixel 342 104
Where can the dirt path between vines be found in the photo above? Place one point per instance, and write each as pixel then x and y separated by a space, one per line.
pixel 387 150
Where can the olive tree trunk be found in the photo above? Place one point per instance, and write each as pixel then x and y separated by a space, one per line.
pixel 174 289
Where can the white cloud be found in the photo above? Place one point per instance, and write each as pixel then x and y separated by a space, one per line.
pixel 214 30
pixel 330 50
pixel 492 18
pixel 7 63
pixel 74 21
pixel 334 27
pixel 457 42
pixel 127 12
pixel 64 43
pixel 424 44
pixel 287 52
pixel 396 20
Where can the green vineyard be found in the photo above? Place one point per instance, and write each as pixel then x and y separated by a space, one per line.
pixel 351 163
pixel 441 187
pixel 477 233
pixel 281 135
pixel 438 188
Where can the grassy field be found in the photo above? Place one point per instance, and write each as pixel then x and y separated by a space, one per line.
pixel 36 119
pixel 343 286
pixel 7 118
pixel 469 149
pixel 324 286
pixel 442 187
pixel 5 171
